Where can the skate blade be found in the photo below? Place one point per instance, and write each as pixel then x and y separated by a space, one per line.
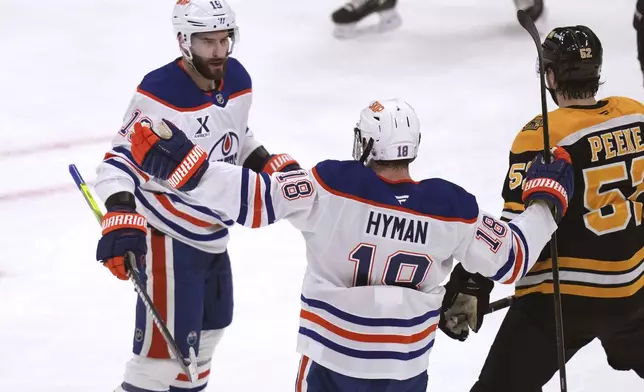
pixel 389 20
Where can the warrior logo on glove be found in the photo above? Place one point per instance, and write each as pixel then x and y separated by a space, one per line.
pixel 166 153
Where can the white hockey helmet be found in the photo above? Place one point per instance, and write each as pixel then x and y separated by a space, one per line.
pixel 388 130
pixel 203 16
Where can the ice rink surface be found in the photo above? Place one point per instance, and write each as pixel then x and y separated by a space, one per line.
pixel 68 71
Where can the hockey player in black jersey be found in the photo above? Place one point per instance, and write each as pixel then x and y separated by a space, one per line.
pixel 600 240
pixel 347 17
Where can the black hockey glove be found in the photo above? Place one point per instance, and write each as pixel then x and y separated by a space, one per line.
pixel 467 297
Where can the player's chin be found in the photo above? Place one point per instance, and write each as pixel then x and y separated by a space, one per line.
pixel 215 73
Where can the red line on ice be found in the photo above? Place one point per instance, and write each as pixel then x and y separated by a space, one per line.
pixel 45 148
pixel 37 193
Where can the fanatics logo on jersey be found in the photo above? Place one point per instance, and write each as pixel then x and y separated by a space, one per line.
pixel 402 199
pixel 203 131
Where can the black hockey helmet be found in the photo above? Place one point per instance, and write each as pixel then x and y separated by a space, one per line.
pixel 574 53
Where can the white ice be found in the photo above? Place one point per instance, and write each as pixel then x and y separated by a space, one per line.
pixel 68 70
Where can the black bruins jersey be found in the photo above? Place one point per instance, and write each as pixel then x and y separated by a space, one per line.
pixel 601 237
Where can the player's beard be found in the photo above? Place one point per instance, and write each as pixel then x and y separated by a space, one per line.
pixel 212 69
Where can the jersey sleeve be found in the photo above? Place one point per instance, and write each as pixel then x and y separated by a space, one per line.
pixel 502 251
pixel 258 199
pixel 524 150
pixel 118 171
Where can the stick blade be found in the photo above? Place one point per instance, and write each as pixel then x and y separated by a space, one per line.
pixel 524 19
pixel 528 24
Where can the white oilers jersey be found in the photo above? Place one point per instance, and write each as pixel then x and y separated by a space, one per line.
pixel 217 121
pixel 377 252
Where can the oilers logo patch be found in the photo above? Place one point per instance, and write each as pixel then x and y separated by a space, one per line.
pixel 226 148
pixel 227 145
pixel 192 338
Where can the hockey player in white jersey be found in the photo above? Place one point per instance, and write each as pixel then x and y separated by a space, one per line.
pixel 378 244
pixel 187 270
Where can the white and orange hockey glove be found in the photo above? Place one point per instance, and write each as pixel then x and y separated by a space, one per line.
pixel 166 153
pixel 280 163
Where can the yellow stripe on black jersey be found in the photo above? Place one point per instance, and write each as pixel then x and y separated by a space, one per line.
pixel 601 238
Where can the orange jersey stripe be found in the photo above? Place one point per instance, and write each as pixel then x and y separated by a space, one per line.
pixel 300 375
pixel 159 348
pixel 183 377
pixel 366 338
pixel 518 262
pixel 257 208
pixel 240 93
pixel 171 106
pixel 165 202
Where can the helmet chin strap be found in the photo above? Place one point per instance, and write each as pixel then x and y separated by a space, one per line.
pixel 367 151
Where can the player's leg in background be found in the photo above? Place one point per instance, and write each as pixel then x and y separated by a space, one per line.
pixel 624 346
pixel 175 279
pixel 347 17
pixel 216 316
pixel 312 377
pixel 523 356
pixel 638 24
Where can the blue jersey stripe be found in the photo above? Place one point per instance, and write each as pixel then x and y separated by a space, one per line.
pixel 367 321
pixel 174 226
pixel 351 352
pixel 202 209
pixel 526 255
pixel 267 198
pixel 508 264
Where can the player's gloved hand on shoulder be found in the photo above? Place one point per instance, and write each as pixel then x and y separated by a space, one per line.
pixel 123 230
pixel 552 183
pixel 467 297
pixel 280 163
pixel 165 152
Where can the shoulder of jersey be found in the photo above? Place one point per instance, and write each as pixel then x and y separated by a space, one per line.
pixel 237 80
pixel 441 199
pixel 563 122
pixel 171 86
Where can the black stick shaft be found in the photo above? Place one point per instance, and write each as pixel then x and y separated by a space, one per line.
pixel 529 26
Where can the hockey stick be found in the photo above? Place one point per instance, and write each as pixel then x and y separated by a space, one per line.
pixel 492 307
pixel 500 304
pixel 528 25
pixel 189 366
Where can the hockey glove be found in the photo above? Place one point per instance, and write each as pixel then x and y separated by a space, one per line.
pixel 123 230
pixel 166 153
pixel 280 163
pixel 552 183
pixel 467 297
